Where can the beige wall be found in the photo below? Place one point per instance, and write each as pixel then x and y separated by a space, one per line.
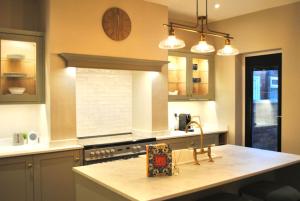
pixel 225 93
pixel 74 26
pixel 142 101
pixel 160 100
pixel 276 28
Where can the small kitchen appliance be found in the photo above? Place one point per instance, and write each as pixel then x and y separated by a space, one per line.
pixel 184 120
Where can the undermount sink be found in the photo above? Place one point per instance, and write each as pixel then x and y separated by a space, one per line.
pixel 185 156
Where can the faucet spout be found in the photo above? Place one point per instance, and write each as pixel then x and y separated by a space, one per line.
pixel 201 133
pixel 202 151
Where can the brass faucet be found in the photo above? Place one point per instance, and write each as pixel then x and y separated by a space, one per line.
pixel 202 151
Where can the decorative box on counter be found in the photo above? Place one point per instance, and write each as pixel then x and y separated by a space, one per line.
pixel 159 160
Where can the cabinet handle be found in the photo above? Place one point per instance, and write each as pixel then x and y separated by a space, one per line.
pixel 30 169
pixel 76 159
pixel 29 165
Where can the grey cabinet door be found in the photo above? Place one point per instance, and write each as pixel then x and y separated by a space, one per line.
pixel 16 179
pixel 54 179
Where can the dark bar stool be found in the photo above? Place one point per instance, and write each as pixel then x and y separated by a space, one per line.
pixel 223 197
pixel 269 191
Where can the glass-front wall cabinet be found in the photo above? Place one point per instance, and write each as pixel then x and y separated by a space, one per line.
pixel 177 76
pixel 190 77
pixel 21 68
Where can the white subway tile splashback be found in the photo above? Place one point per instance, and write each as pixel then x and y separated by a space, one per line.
pixel 103 101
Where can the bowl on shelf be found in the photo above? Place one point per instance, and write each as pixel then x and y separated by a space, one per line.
pixel 15 56
pixel 16 90
pixel 173 93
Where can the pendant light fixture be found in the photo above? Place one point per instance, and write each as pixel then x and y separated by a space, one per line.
pixel 228 50
pixel 202 46
pixel 202 28
pixel 171 42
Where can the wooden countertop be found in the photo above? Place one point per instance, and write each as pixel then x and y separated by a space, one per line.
pixel 128 177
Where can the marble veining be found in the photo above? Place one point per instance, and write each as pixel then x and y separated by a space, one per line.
pixel 235 164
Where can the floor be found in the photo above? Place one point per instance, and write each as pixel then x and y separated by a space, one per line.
pixel 265 137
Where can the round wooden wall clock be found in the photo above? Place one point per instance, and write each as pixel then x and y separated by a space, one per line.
pixel 116 24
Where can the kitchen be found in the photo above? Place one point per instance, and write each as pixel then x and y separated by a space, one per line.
pixel 74 36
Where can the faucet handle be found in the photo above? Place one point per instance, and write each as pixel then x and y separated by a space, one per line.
pixel 209 153
pixel 192 144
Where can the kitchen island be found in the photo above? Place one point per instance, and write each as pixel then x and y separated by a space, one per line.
pixel 126 179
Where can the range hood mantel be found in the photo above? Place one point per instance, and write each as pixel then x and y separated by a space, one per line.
pixel 116 63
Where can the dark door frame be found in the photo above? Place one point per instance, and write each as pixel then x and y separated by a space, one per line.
pixel 261 62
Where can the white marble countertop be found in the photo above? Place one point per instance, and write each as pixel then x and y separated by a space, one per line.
pixel 137 135
pixel 111 139
pixel 177 134
pixel 64 145
pixel 22 150
pixel 236 163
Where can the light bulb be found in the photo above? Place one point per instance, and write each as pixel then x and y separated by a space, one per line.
pixel 228 50
pixel 171 43
pixel 202 46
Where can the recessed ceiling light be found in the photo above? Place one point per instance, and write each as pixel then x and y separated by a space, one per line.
pixel 217 5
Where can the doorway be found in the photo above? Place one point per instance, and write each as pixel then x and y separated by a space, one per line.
pixel 263 102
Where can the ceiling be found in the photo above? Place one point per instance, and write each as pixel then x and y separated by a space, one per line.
pixel 185 10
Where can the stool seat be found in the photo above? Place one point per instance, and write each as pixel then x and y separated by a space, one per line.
pixel 270 191
pixel 223 197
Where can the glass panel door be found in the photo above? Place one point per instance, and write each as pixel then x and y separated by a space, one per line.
pixel 200 77
pixel 18 68
pixel 177 76
pixel 263 105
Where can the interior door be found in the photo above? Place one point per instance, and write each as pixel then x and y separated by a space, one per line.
pixel 263 102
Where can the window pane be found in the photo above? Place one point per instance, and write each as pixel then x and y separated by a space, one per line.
pixel 177 75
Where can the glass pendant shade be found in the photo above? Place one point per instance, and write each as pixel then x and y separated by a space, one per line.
pixel 171 43
pixel 202 47
pixel 228 50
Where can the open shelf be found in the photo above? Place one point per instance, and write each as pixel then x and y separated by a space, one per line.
pixel 14 75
